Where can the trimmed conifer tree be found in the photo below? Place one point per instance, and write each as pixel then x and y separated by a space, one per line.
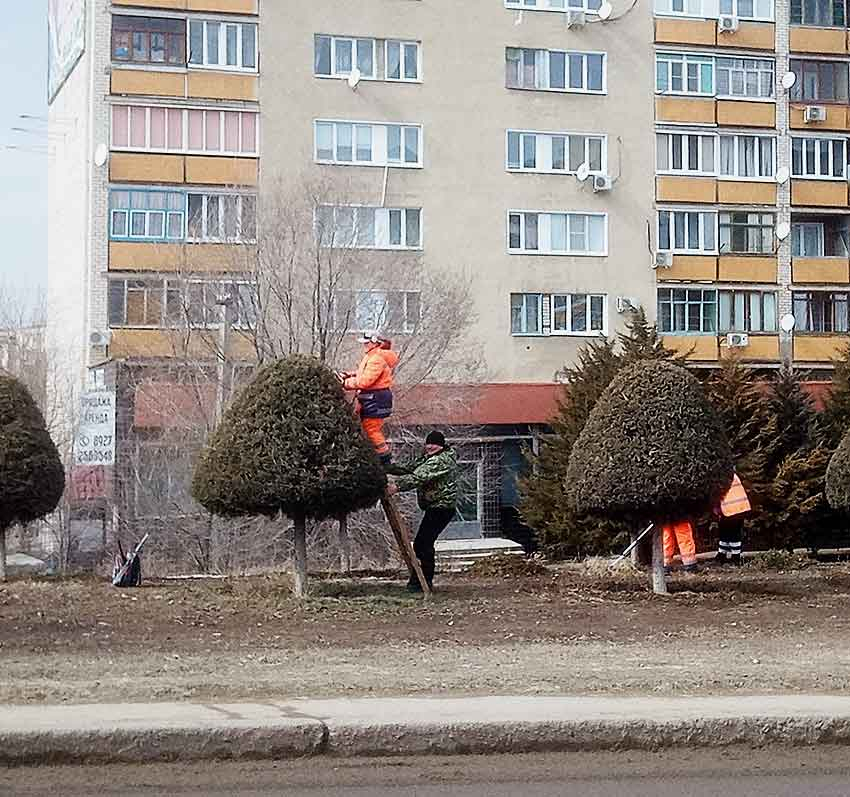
pixel 652 451
pixel 838 477
pixel 32 478
pixel 836 414
pixel 289 443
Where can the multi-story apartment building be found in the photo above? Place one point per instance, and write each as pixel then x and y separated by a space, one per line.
pixel 576 158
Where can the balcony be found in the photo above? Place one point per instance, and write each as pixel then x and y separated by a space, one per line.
pixel 820 248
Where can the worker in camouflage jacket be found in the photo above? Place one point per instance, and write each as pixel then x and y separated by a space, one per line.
pixel 435 479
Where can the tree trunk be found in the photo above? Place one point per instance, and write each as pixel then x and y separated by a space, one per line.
pixel 344 545
pixel 300 562
pixel 659 584
pixel 2 554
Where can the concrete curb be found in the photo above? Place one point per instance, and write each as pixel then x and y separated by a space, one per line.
pixel 139 733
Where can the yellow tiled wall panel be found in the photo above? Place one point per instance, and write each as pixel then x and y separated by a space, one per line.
pixel 231 258
pixel 746 114
pixel 206 170
pixel 819 193
pixel 743 192
pixel 226 6
pixel 818 40
pixel 136 256
pixel 760 348
pixel 178 5
pixel 697 347
pixel 685 31
pixel 167 343
pixel 153 84
pixel 829 270
pixel 836 118
pixel 751 36
pixel 818 348
pixel 733 268
pixel 136 167
pixel 686 189
pixel 679 109
pixel 181 258
pixel 219 86
pixel 690 267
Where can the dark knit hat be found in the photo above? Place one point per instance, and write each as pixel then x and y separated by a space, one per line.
pixel 435 439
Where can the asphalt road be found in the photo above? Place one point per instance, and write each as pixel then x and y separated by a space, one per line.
pixel 810 772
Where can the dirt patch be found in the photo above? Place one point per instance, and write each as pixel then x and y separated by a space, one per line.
pixel 565 629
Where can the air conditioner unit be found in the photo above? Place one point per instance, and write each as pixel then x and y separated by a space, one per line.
pixel 576 18
pixel 663 260
pixel 726 23
pixel 626 304
pixel 737 340
pixel 602 182
pixel 815 113
pixel 100 338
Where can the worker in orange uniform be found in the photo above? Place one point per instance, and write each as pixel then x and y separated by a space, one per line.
pixel 373 382
pixel 730 515
pixel 680 535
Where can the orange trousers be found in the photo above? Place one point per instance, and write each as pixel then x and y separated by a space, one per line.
pixel 679 535
pixel 373 428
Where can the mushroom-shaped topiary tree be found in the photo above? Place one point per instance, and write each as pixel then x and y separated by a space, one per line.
pixel 653 450
pixel 289 443
pixel 32 478
pixel 838 477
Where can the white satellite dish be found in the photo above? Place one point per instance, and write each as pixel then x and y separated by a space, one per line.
pixel 583 172
pixel 354 78
pixel 787 322
pixel 783 230
pixel 605 10
pixel 782 175
pixel 788 80
pixel 101 155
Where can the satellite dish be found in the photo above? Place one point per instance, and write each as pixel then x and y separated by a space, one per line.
pixel 788 80
pixel 583 172
pixel 787 322
pixel 605 10
pixel 354 78
pixel 783 230
pixel 101 155
pixel 782 175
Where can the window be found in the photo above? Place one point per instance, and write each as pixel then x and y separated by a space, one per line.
pixel 818 158
pixel 554 5
pixel 687 310
pixel 145 40
pixel 761 10
pixel 687 231
pixel 747 311
pixel 807 239
pixel 821 311
pixel 146 215
pixel 750 157
pixel 556 152
pixel 818 13
pixel 681 8
pixel 367 144
pixel 555 70
pixel 222 217
pixel 388 311
pixel 578 314
pixel 558 233
pixel 369 227
pixel 336 56
pixel 744 77
pixel 402 61
pixel 526 314
pixel 159 129
pixel 135 303
pixel 687 153
pixel 223 45
pixel 742 232
pixel 677 73
pixel 819 81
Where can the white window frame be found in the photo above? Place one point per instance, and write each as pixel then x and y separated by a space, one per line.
pixel 712 9
pixel 402 43
pixel 206 198
pixel 820 142
pixel 734 9
pixel 736 176
pixel 765 230
pixel 739 325
pixel 353 41
pixel 526 333
pixel 409 324
pixel 222 45
pixel 382 228
pixel 542 71
pixel 544 233
pixel 151 284
pixel 687 211
pixel 380 146
pixel 705 169
pixel 760 70
pixel 560 6
pixel 669 57
pixel 571 332
pixel 798 233
pixel 543 146
pixel 688 332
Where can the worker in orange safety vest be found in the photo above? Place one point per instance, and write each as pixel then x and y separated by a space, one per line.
pixel 730 512
pixel 680 535
pixel 373 382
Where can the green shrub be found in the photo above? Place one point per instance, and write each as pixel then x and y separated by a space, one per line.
pixel 838 477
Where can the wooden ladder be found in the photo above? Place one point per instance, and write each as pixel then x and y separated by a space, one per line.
pixel 402 538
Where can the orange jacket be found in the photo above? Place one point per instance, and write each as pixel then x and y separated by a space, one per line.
pixel 375 371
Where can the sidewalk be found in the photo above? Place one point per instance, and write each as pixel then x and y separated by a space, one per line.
pixel 145 733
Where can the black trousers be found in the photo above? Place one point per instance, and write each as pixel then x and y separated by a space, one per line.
pixel 433 524
pixel 731 536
